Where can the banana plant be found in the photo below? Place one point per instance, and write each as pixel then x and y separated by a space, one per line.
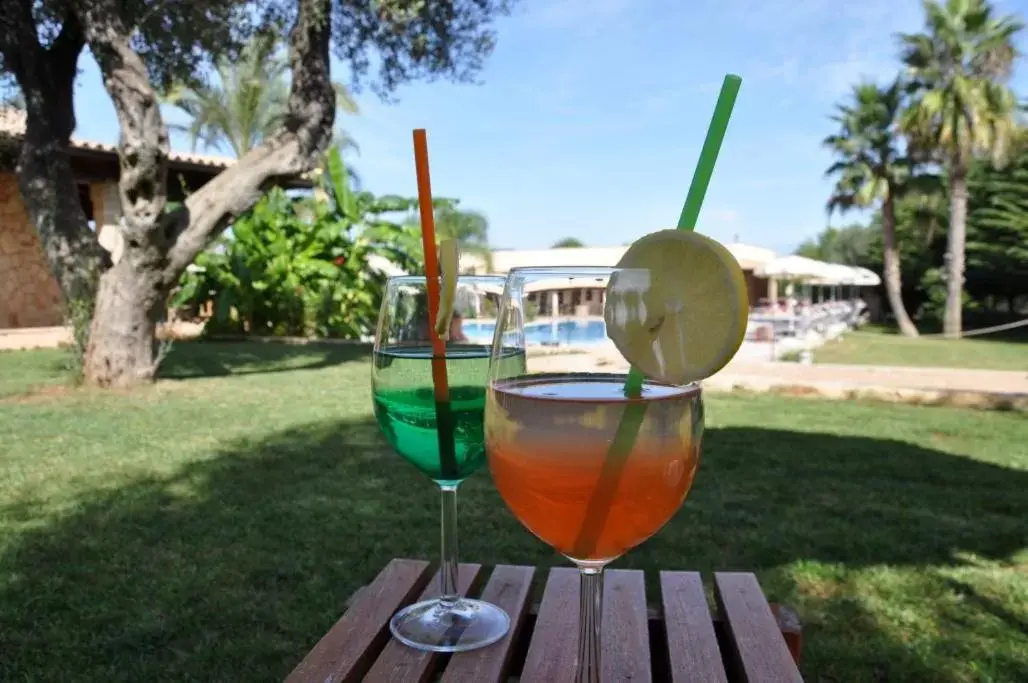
pixel 304 265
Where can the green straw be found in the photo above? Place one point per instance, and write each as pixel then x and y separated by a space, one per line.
pixel 624 438
pixel 700 182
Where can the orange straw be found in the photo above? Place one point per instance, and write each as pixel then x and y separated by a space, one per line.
pixel 440 383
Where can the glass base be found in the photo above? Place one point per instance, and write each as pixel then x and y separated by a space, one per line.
pixel 450 627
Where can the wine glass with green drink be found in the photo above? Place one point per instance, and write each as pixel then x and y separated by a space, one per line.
pixel 444 439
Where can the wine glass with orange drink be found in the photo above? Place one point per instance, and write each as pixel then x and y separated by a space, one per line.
pixel 595 462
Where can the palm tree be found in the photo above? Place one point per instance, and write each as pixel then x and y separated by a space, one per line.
pixel 960 106
pixel 870 168
pixel 247 103
pixel 469 228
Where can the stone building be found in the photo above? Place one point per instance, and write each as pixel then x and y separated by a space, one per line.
pixel 29 294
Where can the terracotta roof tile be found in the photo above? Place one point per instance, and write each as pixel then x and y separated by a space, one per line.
pixel 12 124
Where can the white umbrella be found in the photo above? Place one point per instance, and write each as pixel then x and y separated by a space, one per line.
pixel 792 268
pixel 867 278
pixel 838 274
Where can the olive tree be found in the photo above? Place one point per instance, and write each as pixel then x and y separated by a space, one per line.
pixel 142 48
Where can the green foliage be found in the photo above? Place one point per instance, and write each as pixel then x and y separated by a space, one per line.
pixel 997 232
pixel 414 39
pixel 406 39
pixel 997 239
pixel 568 243
pixel 302 266
pixel 79 318
pixel 950 106
pixel 246 104
pixel 469 228
pixel 869 165
pixel 956 72
pixel 852 245
pixel 247 101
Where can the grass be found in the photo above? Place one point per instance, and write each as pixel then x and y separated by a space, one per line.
pixel 21 371
pixel 212 527
pixel 876 346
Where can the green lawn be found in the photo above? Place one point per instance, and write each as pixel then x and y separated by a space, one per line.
pixel 875 347
pixel 211 528
pixel 25 371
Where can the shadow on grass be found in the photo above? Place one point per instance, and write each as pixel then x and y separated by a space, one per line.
pixel 232 569
pixel 192 359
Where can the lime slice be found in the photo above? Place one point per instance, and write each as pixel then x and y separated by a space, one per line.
pixel 449 262
pixel 678 310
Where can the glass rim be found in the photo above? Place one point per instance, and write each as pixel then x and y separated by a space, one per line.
pixel 422 279
pixel 695 385
pixel 550 270
pixel 529 273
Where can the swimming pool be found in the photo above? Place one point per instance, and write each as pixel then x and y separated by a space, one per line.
pixel 578 332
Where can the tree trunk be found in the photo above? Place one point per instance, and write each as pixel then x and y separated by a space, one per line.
pixel 122 344
pixel 952 325
pixel 159 246
pixel 129 300
pixel 47 185
pixel 893 283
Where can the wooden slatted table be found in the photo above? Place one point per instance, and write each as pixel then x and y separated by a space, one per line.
pixel 680 640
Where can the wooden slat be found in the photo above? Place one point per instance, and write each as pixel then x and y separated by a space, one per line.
pixel 554 647
pixel 691 641
pixel 758 650
pixel 347 650
pixel 508 588
pixel 404 664
pixel 625 636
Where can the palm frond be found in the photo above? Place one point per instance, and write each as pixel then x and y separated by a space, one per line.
pixel 957 68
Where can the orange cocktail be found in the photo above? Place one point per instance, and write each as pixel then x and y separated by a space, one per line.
pixel 548 437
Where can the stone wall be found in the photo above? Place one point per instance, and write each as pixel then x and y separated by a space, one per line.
pixel 29 294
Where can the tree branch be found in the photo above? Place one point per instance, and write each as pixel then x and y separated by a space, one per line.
pixel 46 78
pixel 297 146
pixel 143 143
pixel 17 44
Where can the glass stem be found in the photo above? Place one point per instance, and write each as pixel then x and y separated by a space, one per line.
pixel 590 615
pixel 448 566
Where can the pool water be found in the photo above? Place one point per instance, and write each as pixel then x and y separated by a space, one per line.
pixel 544 332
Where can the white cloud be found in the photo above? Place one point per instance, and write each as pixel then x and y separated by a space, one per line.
pixel 824 46
pixel 834 79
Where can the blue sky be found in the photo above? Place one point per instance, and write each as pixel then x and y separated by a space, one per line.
pixel 591 113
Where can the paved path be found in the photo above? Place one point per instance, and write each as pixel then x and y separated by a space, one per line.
pixel 34 338
pixel 856 376
pixel 982 388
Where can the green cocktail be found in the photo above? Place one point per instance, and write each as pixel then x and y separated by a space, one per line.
pixel 406 410
pixel 442 434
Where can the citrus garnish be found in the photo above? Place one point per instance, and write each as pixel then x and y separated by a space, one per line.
pixel 677 307
pixel 449 262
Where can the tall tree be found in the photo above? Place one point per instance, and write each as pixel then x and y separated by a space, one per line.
pixel 850 245
pixel 958 69
pixel 141 49
pixel 870 169
pixel 568 243
pixel 246 102
pixel 469 228
pixel 997 230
